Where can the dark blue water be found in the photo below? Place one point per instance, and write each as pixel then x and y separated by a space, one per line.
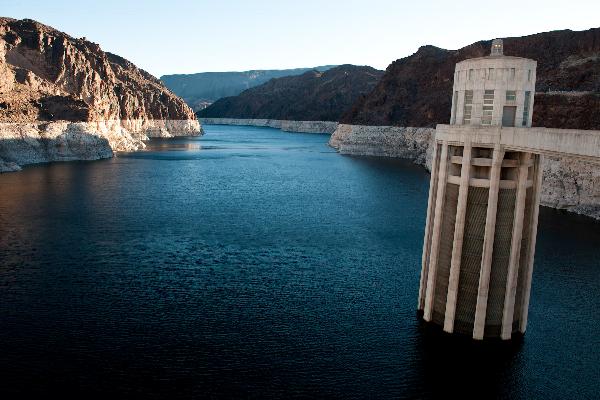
pixel 258 264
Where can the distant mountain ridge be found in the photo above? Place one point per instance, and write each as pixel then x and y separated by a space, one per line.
pixel 201 89
pixel 312 96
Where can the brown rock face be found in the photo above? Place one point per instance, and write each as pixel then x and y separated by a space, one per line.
pixel 312 96
pixel 65 99
pixel 417 90
pixel 47 75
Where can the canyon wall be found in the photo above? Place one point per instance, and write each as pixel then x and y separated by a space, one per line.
pixel 285 125
pixel 23 143
pixel 385 141
pixel 312 96
pixel 571 184
pixel 59 94
pixel 568 183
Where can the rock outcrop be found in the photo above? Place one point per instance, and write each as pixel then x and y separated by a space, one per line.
pixel 30 143
pixel 572 185
pixel 568 183
pixel 288 126
pixel 64 98
pixel 385 141
pixel 313 96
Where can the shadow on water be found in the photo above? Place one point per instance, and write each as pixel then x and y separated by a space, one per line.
pixel 457 367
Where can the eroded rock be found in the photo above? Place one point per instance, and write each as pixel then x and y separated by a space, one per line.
pixel 64 98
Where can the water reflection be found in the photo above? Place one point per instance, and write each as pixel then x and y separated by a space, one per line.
pixel 459 367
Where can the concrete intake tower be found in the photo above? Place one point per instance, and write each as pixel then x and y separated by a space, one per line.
pixel 484 197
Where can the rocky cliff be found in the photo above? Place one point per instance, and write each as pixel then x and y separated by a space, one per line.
pixel 313 96
pixel 569 184
pixel 204 88
pixel 417 90
pixel 64 98
pixel 572 185
pixel 385 141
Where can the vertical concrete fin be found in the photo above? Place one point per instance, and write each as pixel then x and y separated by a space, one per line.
pixel 537 186
pixel 488 243
pixel 436 233
pixel 459 229
pixel 429 225
pixel 515 248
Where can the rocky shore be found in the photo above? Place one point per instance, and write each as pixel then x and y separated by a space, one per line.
pixel 568 183
pixel 41 142
pixel 572 185
pixel 385 141
pixel 63 98
pixel 287 126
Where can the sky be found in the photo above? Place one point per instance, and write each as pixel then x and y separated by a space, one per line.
pixel 176 36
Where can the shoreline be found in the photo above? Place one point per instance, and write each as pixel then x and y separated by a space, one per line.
pixel 25 143
pixel 568 183
pixel 322 127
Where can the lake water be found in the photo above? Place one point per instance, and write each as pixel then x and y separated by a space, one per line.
pixel 256 263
